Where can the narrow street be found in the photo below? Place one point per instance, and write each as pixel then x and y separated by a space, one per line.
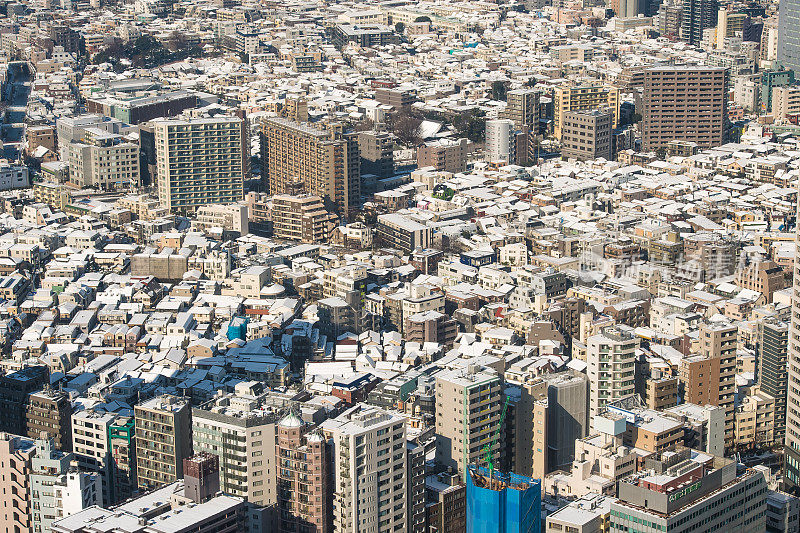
pixel 16 98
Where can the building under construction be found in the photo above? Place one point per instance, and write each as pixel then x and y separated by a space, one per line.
pixel 502 503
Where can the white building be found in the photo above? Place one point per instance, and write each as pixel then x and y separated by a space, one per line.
pixel 369 455
pixel 104 161
pixel 14 177
pixel 610 358
pixel 242 434
pixel 57 489
pixel 230 217
pixel 500 145
pixel 90 446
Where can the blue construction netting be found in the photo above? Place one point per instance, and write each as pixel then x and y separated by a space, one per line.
pixel 510 503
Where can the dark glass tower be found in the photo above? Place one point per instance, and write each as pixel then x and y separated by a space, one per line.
pixel 789 34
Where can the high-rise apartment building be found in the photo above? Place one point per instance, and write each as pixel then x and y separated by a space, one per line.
pixel 610 358
pixel 242 434
pixel 90 431
pixel 500 140
pixel 121 441
pixel 163 440
pixel 446 509
pixel 729 24
pixel 376 149
pixel 301 218
pixel 49 411
pixel 788 41
pixel 586 135
pixel 56 489
pixel 718 348
pixel 15 387
pixel 773 343
pixel 104 161
pixel 200 161
pixel 687 103
pixel 583 98
pixel 324 163
pixel 785 101
pixel 448 155
pixel 304 499
pixel 415 487
pixel 549 416
pixel 468 407
pixel 72 129
pixel 697 16
pixel 522 107
pixel 369 461
pixel 16 454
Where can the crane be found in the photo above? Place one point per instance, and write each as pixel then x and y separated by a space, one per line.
pixel 487 448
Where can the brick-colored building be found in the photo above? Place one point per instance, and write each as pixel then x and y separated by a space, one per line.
pixel 688 103
pixel 301 218
pixel 303 488
pixel 324 163
pixel 445 154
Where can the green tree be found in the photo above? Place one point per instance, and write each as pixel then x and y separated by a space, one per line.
pixel 499 90
pixel 400 27
pixel 471 124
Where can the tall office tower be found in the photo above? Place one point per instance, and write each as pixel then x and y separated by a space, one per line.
pixel 522 107
pixel 686 103
pixel 583 98
pixel 301 218
pixel 500 142
pixel 789 34
pixel 773 341
pixel 56 489
pixel 90 430
pixel 304 499
pixel 49 411
pixel 685 490
pixel 792 449
pixel 104 161
pixel 610 358
pixel 242 434
pixel 200 161
pixel 320 162
pixel 369 461
pixel 468 406
pixel 163 440
pixel 16 454
pixel 697 16
pixel 586 135
pixel 122 444
pixel 14 391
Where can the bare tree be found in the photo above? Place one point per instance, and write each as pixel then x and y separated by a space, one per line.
pixel 405 126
